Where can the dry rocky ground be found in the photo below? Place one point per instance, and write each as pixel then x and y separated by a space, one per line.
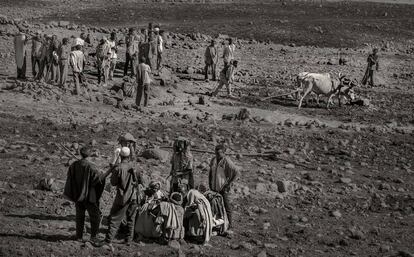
pixel 344 186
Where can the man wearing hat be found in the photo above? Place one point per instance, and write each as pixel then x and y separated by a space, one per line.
pixel 211 59
pixel 222 174
pixel 84 186
pixel 126 181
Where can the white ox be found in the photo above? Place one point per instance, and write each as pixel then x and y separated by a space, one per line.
pixel 323 84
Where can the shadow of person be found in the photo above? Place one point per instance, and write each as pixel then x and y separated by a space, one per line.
pixel 41 216
pixel 39 236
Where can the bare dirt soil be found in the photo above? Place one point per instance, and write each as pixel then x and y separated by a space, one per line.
pixel 347 171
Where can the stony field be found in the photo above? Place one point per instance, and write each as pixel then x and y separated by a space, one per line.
pixel 341 183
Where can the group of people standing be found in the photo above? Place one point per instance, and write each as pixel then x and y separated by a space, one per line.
pixel 51 57
pixel 141 211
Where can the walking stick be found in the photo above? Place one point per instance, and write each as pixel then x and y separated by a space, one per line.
pixel 68 151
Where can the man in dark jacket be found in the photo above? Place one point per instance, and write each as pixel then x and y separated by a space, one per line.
pixel 126 181
pixel 84 186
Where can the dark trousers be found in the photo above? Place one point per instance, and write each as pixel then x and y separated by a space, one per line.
pixel 228 205
pixel 213 70
pixel 79 78
pixel 94 217
pixel 21 72
pixel 116 215
pixel 142 92
pixel 35 61
pixel 129 61
pixel 368 77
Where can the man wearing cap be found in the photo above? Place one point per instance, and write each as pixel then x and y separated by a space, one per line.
pixel 132 51
pixel 372 64
pixel 126 181
pixel 64 54
pixel 36 53
pixel 211 59
pixel 222 174
pixel 20 50
pixel 84 186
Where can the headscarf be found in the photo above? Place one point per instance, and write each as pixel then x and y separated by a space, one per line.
pixel 218 209
pixel 194 197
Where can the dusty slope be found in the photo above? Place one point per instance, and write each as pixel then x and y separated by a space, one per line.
pixel 355 199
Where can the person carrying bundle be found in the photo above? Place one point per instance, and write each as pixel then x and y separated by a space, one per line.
pixel 181 165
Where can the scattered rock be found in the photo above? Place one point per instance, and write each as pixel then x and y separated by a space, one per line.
pixel 64 23
pixel 289 166
pixel 247 246
pixel 262 254
pixel 156 153
pixel 98 128
pixel 337 214
pixel 261 188
pixel 403 253
pixel 244 114
pixel 166 77
pixel 270 245
pixel 48 184
pixel 174 244
pixel 3 142
pixel 356 234
pixel 345 180
pixel 285 186
pixel 266 225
